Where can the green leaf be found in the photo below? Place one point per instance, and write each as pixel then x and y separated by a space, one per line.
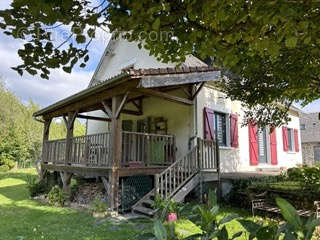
pixel 81 39
pixel 156 24
pixel 250 226
pixel 307 40
pixel 223 234
pixel 236 235
pixel 146 236
pixel 289 213
pixel 291 42
pixel 67 69
pixel 159 230
pixel 227 219
pixel 266 233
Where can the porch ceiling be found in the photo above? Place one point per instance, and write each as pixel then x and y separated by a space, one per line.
pixel 136 84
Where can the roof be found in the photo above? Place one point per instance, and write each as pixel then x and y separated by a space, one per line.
pixel 155 73
pixel 190 60
pixel 165 71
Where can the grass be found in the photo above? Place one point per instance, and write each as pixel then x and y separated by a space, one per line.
pixel 22 218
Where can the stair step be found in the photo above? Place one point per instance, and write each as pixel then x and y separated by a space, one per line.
pixel 148 202
pixel 147 211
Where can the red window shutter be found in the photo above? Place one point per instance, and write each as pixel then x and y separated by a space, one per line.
pixel 273 147
pixel 234 130
pixel 296 140
pixel 285 138
pixel 208 117
pixel 253 144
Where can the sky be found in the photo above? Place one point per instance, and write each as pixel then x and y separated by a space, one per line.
pixel 61 84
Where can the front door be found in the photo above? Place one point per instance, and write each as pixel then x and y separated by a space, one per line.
pixel 262 145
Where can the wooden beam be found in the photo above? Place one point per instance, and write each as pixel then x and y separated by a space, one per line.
pixel 116 141
pixel 66 180
pixel 107 109
pixel 131 112
pixel 178 79
pixel 93 101
pixel 69 124
pixel 94 118
pixel 165 96
pixel 80 170
pixel 46 133
pixel 120 107
pixel 197 91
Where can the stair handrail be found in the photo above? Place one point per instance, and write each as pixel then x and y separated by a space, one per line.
pixel 169 181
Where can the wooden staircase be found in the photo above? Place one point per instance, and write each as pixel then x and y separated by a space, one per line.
pixel 180 178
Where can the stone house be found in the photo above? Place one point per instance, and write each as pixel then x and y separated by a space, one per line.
pixel 310 138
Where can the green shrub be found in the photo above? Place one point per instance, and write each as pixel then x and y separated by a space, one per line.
pixel 305 175
pixel 99 206
pixel 36 187
pixel 4 168
pixel 57 197
pixel 7 160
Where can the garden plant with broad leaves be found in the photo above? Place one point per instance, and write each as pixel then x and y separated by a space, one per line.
pixel 205 218
pixel 268 51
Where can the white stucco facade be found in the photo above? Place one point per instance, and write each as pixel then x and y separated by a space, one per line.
pixel 186 122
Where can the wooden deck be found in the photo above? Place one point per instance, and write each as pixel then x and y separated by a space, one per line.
pixel 141 152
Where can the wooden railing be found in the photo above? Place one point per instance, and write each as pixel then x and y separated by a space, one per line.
pixel 144 149
pixel 138 150
pixel 203 156
pixel 175 176
pixel 208 158
pixel 90 150
pixel 54 151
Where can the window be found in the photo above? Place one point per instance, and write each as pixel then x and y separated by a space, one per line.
pixel 303 127
pixel 220 126
pixel 316 154
pixel 290 140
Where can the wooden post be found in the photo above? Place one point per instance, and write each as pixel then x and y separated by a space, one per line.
pixel 46 131
pixel 156 184
pixel 69 122
pixel 66 180
pixel 116 138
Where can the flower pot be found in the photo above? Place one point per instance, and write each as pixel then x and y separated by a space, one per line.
pixel 172 217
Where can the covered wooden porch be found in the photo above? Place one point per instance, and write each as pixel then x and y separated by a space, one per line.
pixel 117 153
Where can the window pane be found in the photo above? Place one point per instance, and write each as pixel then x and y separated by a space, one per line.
pixel 317 154
pixel 290 139
pixel 220 127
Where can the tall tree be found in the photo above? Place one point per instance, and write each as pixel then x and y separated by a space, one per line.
pixel 20 134
pixel 269 50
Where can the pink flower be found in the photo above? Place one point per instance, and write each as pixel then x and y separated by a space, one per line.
pixel 172 217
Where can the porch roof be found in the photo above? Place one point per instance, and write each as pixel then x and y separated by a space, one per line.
pixel 137 82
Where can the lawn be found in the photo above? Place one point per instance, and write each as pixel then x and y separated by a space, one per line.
pixel 24 219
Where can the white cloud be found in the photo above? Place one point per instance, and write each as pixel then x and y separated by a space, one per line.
pixel 42 92
pixel 312 107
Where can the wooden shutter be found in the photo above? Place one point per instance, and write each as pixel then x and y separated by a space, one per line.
pixel 285 138
pixel 253 143
pixel 273 146
pixel 234 130
pixel 208 117
pixel 296 140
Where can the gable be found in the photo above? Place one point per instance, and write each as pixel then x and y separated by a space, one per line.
pixel 120 54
